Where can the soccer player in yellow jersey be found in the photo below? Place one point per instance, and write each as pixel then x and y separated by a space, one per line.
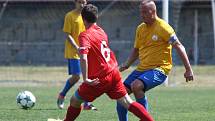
pixel 153 45
pixel 73 26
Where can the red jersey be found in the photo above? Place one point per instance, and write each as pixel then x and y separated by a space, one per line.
pixel 94 43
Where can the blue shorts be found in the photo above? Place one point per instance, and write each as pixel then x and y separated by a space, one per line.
pixel 74 67
pixel 150 78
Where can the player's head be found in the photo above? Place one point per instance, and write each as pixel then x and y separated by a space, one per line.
pixel 148 11
pixel 79 4
pixel 89 13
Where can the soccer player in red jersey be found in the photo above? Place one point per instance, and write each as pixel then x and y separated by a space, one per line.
pixel 73 26
pixel 99 70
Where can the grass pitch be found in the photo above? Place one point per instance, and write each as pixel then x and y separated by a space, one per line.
pixel 178 102
pixel 166 104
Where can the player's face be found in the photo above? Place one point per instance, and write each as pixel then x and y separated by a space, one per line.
pixel 146 14
pixel 79 4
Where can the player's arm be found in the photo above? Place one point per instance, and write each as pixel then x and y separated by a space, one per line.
pixel 84 69
pixel 84 66
pixel 72 41
pixel 83 51
pixel 67 28
pixel 131 59
pixel 134 53
pixel 183 55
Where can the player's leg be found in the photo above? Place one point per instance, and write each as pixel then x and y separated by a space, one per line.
pixel 117 91
pixel 74 109
pixel 137 88
pixel 69 83
pixel 136 108
pixel 74 70
pixel 148 80
pixel 121 111
pixel 89 106
pixel 84 93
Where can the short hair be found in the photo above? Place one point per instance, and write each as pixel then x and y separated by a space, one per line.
pixel 90 13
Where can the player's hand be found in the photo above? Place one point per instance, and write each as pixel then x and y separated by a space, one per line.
pixel 92 81
pixel 188 75
pixel 123 67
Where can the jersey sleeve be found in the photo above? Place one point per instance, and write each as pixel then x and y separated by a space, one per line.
pixel 84 44
pixel 169 34
pixel 67 27
pixel 173 38
pixel 137 40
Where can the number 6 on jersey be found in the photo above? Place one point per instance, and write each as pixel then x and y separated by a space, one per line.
pixel 105 51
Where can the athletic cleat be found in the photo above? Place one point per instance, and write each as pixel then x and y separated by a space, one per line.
pixel 88 106
pixel 60 102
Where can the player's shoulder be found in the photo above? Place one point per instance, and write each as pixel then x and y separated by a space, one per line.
pixel 100 29
pixel 164 25
pixel 70 13
pixel 102 32
pixel 141 26
pixel 84 34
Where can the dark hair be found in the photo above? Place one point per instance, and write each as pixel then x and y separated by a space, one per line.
pixel 90 13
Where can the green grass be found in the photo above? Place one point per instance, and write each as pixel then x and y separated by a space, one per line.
pixel 179 102
pixel 166 104
pixel 204 75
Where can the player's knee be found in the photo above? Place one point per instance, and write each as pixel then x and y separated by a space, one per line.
pixel 75 102
pixel 125 101
pixel 75 78
pixel 137 86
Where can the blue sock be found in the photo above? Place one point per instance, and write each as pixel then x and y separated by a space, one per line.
pixel 122 112
pixel 143 101
pixel 66 88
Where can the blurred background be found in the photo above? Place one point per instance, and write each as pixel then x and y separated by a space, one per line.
pixel 32 58
pixel 31 34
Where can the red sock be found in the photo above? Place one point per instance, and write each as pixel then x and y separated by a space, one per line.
pixel 72 113
pixel 138 110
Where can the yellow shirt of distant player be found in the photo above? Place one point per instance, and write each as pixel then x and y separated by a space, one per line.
pixel 153 44
pixel 73 24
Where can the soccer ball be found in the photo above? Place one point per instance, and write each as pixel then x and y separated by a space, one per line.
pixel 25 100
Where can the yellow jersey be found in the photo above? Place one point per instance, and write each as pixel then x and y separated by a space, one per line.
pixel 153 43
pixel 73 25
